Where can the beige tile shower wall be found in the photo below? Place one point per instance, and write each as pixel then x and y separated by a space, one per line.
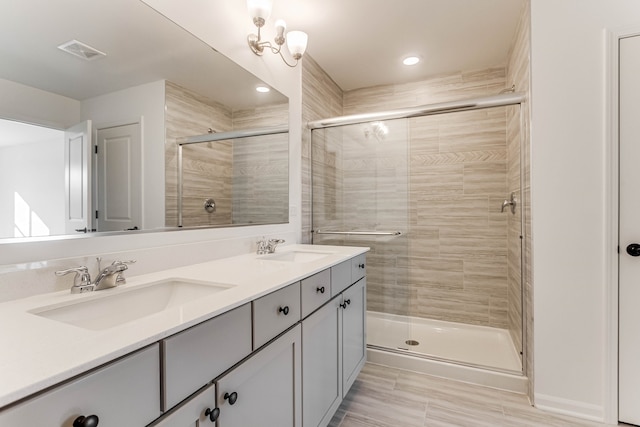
pixel 262 116
pixel 260 178
pixel 518 73
pixel 260 167
pixel 321 99
pixel 452 263
pixel 450 87
pixel 207 167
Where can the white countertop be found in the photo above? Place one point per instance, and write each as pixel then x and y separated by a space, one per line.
pixel 38 352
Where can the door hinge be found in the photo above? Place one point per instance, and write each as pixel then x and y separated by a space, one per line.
pixel 95 149
pixel 96 214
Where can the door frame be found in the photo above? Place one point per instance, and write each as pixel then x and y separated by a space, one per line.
pixel 612 200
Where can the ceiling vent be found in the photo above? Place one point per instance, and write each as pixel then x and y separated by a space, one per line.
pixel 81 50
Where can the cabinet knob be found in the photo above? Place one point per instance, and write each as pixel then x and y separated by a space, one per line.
pixel 284 310
pixel 361 265
pixel 231 397
pixel 90 421
pixel 633 249
pixel 346 303
pixel 320 289
pixel 212 414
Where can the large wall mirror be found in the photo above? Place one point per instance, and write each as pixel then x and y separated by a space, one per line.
pixel 113 118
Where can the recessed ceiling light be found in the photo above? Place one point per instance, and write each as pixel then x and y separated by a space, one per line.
pixel 262 89
pixel 411 60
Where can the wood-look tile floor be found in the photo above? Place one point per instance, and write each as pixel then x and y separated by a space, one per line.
pixel 388 397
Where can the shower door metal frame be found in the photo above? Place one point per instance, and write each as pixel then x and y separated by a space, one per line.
pixel 501 100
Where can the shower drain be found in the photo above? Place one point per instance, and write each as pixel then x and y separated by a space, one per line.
pixel 411 342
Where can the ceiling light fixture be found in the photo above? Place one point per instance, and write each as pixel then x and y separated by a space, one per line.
pixel 262 89
pixel 296 40
pixel 411 60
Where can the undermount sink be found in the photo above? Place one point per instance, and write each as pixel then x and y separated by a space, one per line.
pixel 297 256
pixel 106 311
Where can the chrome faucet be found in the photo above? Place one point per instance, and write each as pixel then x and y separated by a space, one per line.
pixel 109 277
pixel 268 246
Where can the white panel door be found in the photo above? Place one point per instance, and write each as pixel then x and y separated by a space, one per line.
pixel 629 258
pixel 77 170
pixel 119 178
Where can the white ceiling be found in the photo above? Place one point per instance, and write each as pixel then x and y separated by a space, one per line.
pixel 361 43
pixel 141 45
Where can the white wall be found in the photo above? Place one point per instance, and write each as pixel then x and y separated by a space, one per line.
pixel 34 171
pixel 144 104
pixel 30 105
pixel 569 200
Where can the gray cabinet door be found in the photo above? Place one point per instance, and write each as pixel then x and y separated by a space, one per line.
pixel 321 365
pixel 354 351
pixel 265 389
pixel 193 412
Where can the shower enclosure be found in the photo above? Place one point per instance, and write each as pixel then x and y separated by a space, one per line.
pixel 435 192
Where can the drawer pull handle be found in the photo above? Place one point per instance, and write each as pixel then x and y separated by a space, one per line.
pixel 320 289
pixel 284 310
pixel 90 421
pixel 212 414
pixel 231 397
pixel 346 303
pixel 361 265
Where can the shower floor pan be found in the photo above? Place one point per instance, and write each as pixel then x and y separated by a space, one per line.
pixel 475 354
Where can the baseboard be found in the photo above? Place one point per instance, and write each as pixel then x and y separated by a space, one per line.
pixel 572 408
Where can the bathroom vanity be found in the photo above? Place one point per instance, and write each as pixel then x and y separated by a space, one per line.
pixel 271 340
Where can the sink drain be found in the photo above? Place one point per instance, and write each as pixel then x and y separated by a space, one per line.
pixel 411 342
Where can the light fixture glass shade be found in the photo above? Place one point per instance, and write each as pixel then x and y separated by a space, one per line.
pixel 259 9
pixel 297 43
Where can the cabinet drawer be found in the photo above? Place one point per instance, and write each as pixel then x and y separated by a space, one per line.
pixel 198 355
pixel 123 393
pixel 358 267
pixel 340 277
pixel 274 313
pixel 315 291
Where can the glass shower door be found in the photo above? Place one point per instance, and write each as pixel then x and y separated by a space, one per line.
pixel 360 198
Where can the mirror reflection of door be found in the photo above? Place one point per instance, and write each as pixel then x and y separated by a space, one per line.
pixel 119 178
pixel 77 172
